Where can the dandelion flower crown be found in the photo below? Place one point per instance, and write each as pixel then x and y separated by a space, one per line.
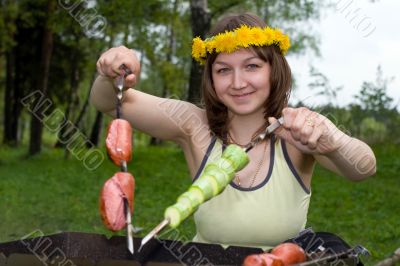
pixel 241 37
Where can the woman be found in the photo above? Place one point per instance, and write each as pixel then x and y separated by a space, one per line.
pixel 246 85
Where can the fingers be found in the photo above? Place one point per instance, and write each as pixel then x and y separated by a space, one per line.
pixel 312 141
pixel 130 80
pixel 304 125
pixel 281 131
pixel 110 61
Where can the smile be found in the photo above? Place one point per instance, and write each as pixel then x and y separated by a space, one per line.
pixel 242 95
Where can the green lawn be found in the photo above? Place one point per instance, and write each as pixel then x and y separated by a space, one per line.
pixel 50 194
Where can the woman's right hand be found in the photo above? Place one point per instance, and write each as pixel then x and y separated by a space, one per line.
pixel 110 61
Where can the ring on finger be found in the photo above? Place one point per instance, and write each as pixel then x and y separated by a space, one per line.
pixel 310 121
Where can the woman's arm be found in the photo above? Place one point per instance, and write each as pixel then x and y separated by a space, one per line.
pixel 314 135
pixel 167 119
pixel 353 159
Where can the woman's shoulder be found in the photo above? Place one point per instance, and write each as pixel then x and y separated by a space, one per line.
pixel 303 163
pixel 193 123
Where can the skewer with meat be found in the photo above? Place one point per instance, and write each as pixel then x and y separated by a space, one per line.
pixel 117 194
pixel 119 187
pixel 119 141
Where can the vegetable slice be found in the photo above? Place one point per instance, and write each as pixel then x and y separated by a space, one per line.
pixel 220 176
pixel 176 214
pixel 237 156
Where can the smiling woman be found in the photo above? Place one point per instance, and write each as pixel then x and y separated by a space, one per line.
pixel 246 84
pixel 241 81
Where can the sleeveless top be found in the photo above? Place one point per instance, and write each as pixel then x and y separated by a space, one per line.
pixel 262 216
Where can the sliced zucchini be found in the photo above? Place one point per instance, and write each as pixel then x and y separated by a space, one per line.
pixel 196 194
pixel 207 185
pixel 226 165
pixel 176 214
pixel 220 176
pixel 237 156
pixel 185 201
pixel 216 188
pixel 193 197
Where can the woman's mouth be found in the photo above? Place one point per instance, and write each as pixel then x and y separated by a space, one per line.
pixel 242 96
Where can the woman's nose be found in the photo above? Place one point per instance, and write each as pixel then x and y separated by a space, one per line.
pixel 238 80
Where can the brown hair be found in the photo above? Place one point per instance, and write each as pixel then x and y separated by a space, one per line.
pixel 280 77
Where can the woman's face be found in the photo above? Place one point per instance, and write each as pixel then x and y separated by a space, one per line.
pixel 241 81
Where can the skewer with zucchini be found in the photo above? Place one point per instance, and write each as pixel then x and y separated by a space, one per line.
pixel 215 177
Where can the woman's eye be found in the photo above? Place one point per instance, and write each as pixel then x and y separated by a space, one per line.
pixel 252 66
pixel 222 70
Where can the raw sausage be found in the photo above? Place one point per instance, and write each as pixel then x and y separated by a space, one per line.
pixel 119 187
pixel 119 141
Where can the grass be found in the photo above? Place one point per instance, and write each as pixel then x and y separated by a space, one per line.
pixel 51 194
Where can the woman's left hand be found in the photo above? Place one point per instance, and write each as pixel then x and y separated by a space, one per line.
pixel 309 131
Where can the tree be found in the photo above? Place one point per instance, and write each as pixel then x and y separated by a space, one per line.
pixel 373 97
pixel 375 103
pixel 42 79
pixel 12 108
pixel 323 87
pixel 200 18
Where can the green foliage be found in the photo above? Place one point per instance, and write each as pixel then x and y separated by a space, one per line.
pixel 373 118
pixel 362 213
pixel 372 131
pixel 373 96
pixel 323 87
pixel 8 14
pixel 375 104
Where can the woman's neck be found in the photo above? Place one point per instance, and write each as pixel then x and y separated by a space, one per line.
pixel 243 128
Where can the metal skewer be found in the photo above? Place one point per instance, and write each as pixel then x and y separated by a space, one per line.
pixel 153 233
pixel 124 167
pixel 128 216
pixel 129 227
pixel 120 86
pixel 271 128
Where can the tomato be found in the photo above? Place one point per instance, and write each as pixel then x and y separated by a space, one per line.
pixel 264 259
pixel 253 260
pixel 289 253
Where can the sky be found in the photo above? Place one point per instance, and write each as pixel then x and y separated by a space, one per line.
pixel 355 37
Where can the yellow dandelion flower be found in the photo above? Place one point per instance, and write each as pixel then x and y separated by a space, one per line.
pixel 258 36
pixel 225 42
pixel 285 44
pixel 210 46
pixel 243 36
pixel 198 48
pixel 269 36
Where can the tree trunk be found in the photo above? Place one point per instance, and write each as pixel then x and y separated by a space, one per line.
pixel 74 83
pixel 98 122
pixel 96 130
pixel 171 51
pixel 85 105
pixel 46 51
pixel 200 21
pixel 12 106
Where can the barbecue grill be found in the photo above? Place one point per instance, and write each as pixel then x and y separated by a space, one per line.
pixel 86 249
